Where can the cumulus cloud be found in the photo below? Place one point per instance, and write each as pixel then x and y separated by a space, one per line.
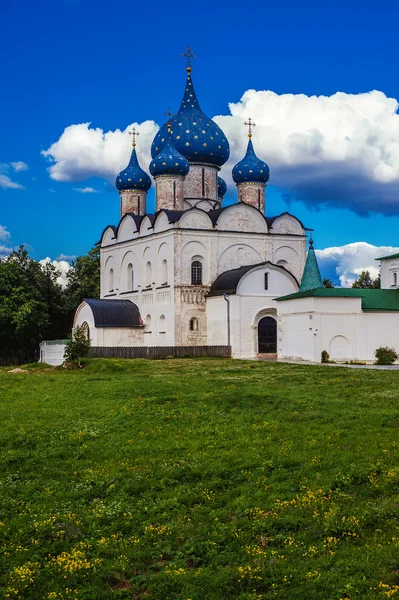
pixel 19 165
pixel 82 151
pixel 67 257
pixel 350 260
pixel 86 190
pixel 7 183
pixel 338 150
pixel 5 235
pixel 62 266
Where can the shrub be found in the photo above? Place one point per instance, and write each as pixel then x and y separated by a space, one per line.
pixel 77 347
pixel 325 357
pixel 385 356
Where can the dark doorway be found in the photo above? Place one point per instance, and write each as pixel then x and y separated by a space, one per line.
pixel 267 336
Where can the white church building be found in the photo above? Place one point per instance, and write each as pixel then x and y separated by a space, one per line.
pixel 197 273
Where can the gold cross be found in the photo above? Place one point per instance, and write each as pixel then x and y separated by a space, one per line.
pixel 250 124
pixel 134 134
pixel 189 54
pixel 169 114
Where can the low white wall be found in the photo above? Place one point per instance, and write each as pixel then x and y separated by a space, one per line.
pixel 52 353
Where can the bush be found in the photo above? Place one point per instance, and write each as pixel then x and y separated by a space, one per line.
pixel 77 347
pixel 325 357
pixel 385 356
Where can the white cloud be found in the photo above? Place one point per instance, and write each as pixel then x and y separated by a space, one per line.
pixel 5 235
pixel 51 191
pixel 19 165
pixel 62 266
pixel 7 183
pixel 67 257
pixel 351 259
pixel 82 152
pixel 87 190
pixel 341 150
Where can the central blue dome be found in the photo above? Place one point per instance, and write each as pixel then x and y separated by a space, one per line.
pixel 194 134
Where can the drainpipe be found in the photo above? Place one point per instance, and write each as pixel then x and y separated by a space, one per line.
pixel 226 297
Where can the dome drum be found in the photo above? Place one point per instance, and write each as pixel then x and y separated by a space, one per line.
pixel 133 201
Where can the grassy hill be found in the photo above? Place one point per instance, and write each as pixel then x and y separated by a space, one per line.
pixel 199 480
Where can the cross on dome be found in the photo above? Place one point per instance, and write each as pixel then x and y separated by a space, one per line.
pixel 189 54
pixel 134 134
pixel 249 124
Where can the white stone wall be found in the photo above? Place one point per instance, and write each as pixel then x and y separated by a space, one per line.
pixel 307 326
pixel 52 354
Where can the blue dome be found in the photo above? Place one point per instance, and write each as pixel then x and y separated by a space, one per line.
pixel 194 134
pixel 169 161
pixel 133 177
pixel 222 187
pixel 251 169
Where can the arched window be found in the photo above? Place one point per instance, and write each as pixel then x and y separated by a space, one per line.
pixel 130 278
pixel 148 322
pixel 196 273
pixel 148 273
pixel 86 329
pixel 111 280
pixel 162 324
pixel 395 279
pixel 194 324
pixel 164 272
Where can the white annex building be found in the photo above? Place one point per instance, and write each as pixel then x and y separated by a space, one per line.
pixel 197 273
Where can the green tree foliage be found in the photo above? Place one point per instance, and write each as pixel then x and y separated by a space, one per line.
pixel 366 281
pixel 328 283
pixel 83 280
pixel 77 347
pixel 31 306
pixel 385 356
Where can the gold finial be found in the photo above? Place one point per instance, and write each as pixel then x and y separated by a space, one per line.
pixel 189 54
pixel 250 124
pixel 134 134
pixel 169 114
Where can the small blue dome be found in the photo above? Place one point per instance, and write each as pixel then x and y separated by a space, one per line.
pixel 251 169
pixel 169 161
pixel 194 134
pixel 133 177
pixel 222 187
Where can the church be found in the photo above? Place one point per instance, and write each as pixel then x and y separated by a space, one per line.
pixel 197 273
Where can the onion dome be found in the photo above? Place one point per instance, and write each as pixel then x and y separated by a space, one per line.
pixel 222 187
pixel 169 161
pixel 133 177
pixel 251 169
pixel 194 135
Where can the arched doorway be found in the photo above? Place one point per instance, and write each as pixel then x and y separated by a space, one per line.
pixel 267 336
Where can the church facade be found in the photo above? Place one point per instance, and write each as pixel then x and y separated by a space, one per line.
pixel 197 273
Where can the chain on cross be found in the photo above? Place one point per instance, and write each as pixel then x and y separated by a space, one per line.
pixel 134 134
pixel 189 54
pixel 249 124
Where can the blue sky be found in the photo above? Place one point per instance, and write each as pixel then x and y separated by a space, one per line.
pixel 67 62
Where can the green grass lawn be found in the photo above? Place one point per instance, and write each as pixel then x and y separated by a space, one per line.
pixel 199 479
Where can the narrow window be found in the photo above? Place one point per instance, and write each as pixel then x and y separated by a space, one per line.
pixel 258 198
pixel 203 183
pixel 164 272
pixel 86 330
pixel 266 281
pixel 111 280
pixel 174 194
pixel 130 278
pixel 148 274
pixel 148 322
pixel 162 324
pixel 138 204
pixel 395 279
pixel 193 324
pixel 196 273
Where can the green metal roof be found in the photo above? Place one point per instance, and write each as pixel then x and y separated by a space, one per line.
pixel 371 299
pixel 311 277
pixel 389 256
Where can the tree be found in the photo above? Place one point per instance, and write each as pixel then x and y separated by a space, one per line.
pixel 366 281
pixel 77 347
pixel 83 280
pixel 328 283
pixel 31 306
